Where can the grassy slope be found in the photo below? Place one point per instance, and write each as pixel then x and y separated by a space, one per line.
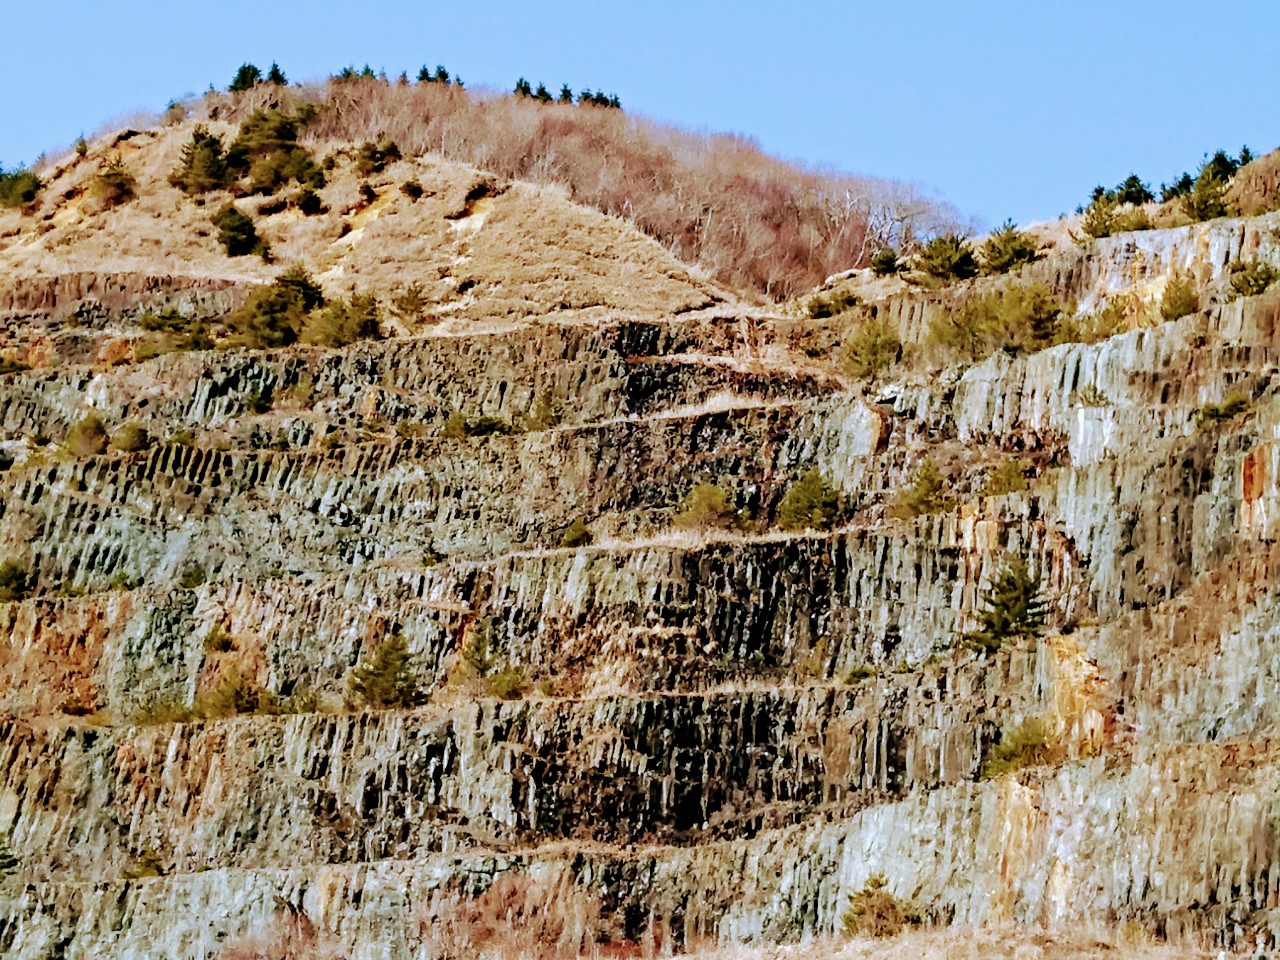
pixel 526 251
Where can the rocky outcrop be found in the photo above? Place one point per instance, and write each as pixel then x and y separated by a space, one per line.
pixel 718 733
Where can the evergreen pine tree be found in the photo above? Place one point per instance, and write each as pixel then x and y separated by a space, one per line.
pixel 203 166
pixel 542 94
pixel 947 257
pixel 925 495
pixel 1220 166
pixel 424 75
pixel 704 507
pixel 1043 314
pixel 276 76
pixel 237 233
pixel 1133 190
pixel 810 503
pixel 1007 248
pixel 1180 187
pixel 1100 218
pixel 566 95
pixel 442 75
pixel 388 678
pixel 884 262
pixel 1208 199
pixel 1013 607
pixel 19 187
pixel 615 102
pixel 523 89
pixel 246 78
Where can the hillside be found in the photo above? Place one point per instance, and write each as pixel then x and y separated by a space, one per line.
pixel 591 605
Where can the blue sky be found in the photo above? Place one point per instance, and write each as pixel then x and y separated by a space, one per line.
pixel 1008 109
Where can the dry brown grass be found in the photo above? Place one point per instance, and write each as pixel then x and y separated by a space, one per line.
pixel 289 936
pixel 522 251
pixel 750 220
pixel 987 943
pixel 517 918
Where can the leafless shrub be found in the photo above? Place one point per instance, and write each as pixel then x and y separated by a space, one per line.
pixel 715 200
pixel 289 936
pixel 518 917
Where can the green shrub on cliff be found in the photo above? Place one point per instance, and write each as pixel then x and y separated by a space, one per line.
pixel 831 304
pixel 1207 199
pixel 578 535
pixel 875 912
pixel 1007 476
pixel 1107 216
pixel 872 349
pixel 947 258
pixel 275 315
pixel 246 78
pixel 170 331
pixel 388 678
pixel 342 322
pixel 131 438
pixel 373 157
pixel 477 667
pixel 810 503
pixel 202 166
pixel 1014 317
pixel 507 683
pixel 1181 298
pixel 457 426
pixel 1012 607
pixel 1248 279
pixel 704 507
pixel 885 263
pixel 193 575
pixel 1007 249
pixel 267 152
pixel 475 656
pixel 1230 408
pixel 925 495
pixel 87 436
pixel 237 233
pixel 113 185
pixel 15 582
pixel 19 188
pixel 234 694
pixel 1092 327
pixel 1027 745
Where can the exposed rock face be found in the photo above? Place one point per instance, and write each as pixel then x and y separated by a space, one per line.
pixel 721 735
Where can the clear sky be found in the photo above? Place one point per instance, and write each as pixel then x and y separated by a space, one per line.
pixel 1008 108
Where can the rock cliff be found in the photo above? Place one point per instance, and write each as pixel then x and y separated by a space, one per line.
pixel 718 734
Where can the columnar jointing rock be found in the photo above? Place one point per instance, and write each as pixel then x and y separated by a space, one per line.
pixel 721 734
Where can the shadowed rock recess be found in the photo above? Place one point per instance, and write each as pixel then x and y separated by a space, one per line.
pixel 716 735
